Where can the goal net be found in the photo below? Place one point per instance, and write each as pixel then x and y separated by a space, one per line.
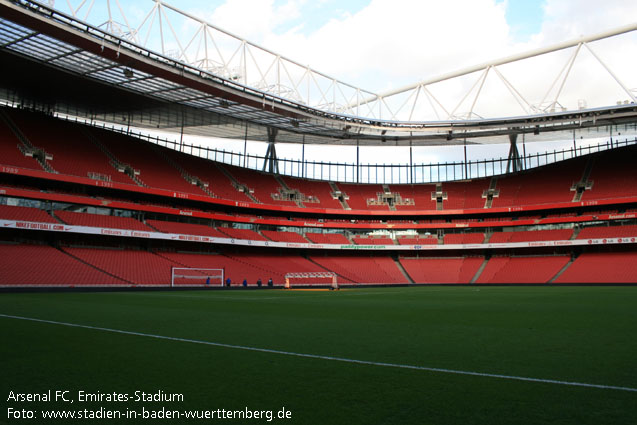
pixel 311 278
pixel 185 276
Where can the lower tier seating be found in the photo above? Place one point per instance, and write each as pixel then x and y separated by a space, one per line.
pixel 442 270
pixel 44 265
pixel 522 269
pixel 137 267
pixel 358 269
pixel 612 267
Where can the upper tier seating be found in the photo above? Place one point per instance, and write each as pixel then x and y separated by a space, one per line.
pixel 8 212
pixel 613 175
pixel 73 152
pixel 77 150
pixel 105 221
pixel 265 188
pixel 522 269
pixel 320 191
pixel 45 265
pixel 10 154
pixel 208 172
pixel 149 160
pixel 420 193
pixel 359 194
pixel 551 185
pixel 442 270
pixel 465 194
pixel 612 267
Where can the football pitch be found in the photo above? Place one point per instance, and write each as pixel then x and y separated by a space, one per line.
pixel 415 355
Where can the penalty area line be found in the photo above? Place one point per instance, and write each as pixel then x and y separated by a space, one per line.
pixel 328 358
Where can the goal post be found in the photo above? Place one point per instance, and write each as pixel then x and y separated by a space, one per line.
pixel 189 276
pixel 311 278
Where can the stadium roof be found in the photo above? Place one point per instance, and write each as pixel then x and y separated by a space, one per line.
pixel 145 89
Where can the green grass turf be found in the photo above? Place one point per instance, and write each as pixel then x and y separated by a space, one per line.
pixel 582 334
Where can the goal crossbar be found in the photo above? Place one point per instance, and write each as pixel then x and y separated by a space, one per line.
pixel 312 275
pixel 192 276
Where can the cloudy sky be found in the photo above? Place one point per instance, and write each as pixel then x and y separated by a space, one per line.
pixel 380 45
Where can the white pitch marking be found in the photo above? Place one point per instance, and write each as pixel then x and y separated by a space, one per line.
pixel 331 358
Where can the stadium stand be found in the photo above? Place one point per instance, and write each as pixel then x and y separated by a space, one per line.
pixel 442 270
pixel 613 175
pixel 219 184
pixel 264 187
pixel 27 265
pixel 363 270
pixel 242 234
pixel 154 169
pixel 511 269
pixel 317 193
pixel 72 151
pixel 531 236
pixel 185 228
pixel 600 232
pixel 420 240
pixel 134 266
pixel 372 240
pixel 8 212
pixel 463 238
pixel 608 267
pixel 292 237
pixel 529 188
pixel 105 221
pixel 328 238
pixel 10 153
pixel 465 194
pixel 363 196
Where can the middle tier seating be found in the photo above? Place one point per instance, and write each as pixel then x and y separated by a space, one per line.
pixel 186 228
pixel 600 232
pixel 292 237
pixel 104 221
pixel 531 236
pixel 37 215
pixel 242 234
pixel 328 238
pixel 419 240
pixel 372 240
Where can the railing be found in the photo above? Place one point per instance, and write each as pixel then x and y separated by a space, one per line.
pixel 362 173
pixel 383 173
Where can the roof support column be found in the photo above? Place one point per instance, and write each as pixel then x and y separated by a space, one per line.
pixel 514 162
pixel 271 162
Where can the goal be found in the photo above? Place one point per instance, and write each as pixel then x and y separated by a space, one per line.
pixel 186 276
pixel 311 278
